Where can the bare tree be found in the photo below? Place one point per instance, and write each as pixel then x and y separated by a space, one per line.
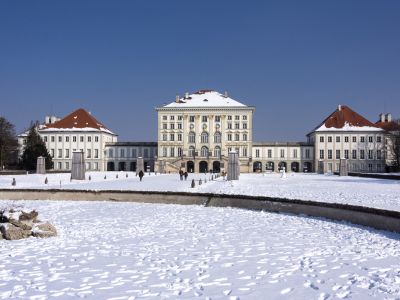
pixel 8 143
pixel 393 146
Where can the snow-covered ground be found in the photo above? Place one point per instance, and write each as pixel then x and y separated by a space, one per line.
pixel 379 193
pixel 129 250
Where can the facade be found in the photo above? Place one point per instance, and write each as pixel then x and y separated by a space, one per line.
pixel 346 134
pixel 392 139
pixel 79 131
pixel 290 156
pixel 196 133
pixel 122 156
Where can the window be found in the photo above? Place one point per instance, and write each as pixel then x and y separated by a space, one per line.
pixel 179 125
pixel 307 153
pixel 180 152
pixel 370 154
pixel 204 151
pixel 172 152
pixel 172 118
pixel 179 137
pixel 337 154
pixel 52 138
pixel 237 125
pixel 204 118
pixel 110 153
pixel 59 139
pixel 378 154
pixel 244 152
pixel 379 139
pixel 192 137
pixel 164 151
pixel 217 118
pixel 95 165
pixel 244 125
pixel 362 139
pixel 134 152
pixel 236 136
pixel 165 126
pixel 244 136
pixel 321 139
pixel 191 119
pixel 244 117
pixel 217 151
pixel 370 139
pixel 66 153
pixel 204 137
pixel 67 139
pixel 282 153
pixel 89 153
pixel 164 137
pixel 321 154
pixel 81 139
pixel 329 139
pixel 346 154
pixel 172 126
pixel 229 137
pixel 165 118
pixel 180 118
pixel 89 139
pixel 362 154
pixel 52 152
pixel 74 139
pixel 229 125
pixel 172 137
pixel 96 139
pixel 191 151
pixel 237 118
pixel 59 153
pixel 354 154
pixel 44 138
pixel 329 154
pixel 354 138
pixel 59 165
pixel 96 153
pixel 257 152
pixel 269 153
pixel 338 139
pixel 229 118
pixel 67 165
pixel 122 152
pixel 217 138
pixel 346 139
pixel 294 153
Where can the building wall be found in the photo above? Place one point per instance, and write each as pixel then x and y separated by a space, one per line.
pixel 369 149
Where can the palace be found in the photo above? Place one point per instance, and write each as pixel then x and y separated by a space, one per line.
pixel 197 131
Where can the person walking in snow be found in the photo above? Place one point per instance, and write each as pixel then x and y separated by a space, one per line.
pixel 141 174
pixel 186 175
pixel 181 174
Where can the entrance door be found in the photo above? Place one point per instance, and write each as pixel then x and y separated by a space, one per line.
pixel 190 167
pixel 203 167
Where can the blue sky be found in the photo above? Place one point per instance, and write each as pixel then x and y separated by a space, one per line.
pixel 294 60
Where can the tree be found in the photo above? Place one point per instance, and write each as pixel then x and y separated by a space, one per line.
pixel 393 148
pixel 8 143
pixel 34 148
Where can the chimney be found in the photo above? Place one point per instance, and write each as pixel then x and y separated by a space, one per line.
pixel 389 117
pixel 177 99
pixel 47 120
pixel 339 107
pixel 186 95
pixel 226 94
pixel 382 118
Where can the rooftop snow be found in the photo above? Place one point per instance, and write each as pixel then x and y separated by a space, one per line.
pixel 205 99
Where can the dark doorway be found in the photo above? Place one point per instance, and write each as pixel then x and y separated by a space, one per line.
pixel 216 167
pixel 190 167
pixel 282 165
pixel 121 166
pixel 295 166
pixel 110 166
pixel 257 166
pixel 203 167
pixel 133 166
pixel 307 167
pixel 270 166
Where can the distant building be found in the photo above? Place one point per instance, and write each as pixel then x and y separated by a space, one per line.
pixel 196 132
pixel 79 131
pixel 346 134
pixel 392 134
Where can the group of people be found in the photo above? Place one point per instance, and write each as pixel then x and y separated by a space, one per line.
pixel 183 174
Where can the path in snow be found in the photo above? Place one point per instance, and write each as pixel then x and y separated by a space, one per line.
pixel 128 250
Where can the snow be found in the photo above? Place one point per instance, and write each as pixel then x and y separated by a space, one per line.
pixel 76 129
pixel 109 250
pixel 349 127
pixel 212 98
pixel 378 193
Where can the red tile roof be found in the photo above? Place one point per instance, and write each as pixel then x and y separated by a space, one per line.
pixel 345 115
pixel 80 118
pixel 389 126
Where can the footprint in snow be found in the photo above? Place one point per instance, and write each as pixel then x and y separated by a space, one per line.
pixel 286 291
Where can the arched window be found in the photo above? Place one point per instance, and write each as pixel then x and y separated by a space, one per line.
pixel 204 137
pixel 217 138
pixel 192 137
pixel 217 151
pixel 191 151
pixel 204 151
